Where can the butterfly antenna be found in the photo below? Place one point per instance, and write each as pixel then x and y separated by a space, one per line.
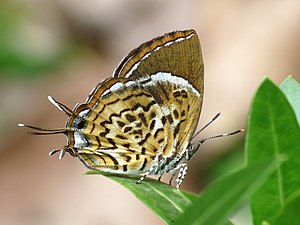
pixel 201 141
pixel 45 131
pixel 48 131
pixel 61 106
pixel 195 146
pixel 212 120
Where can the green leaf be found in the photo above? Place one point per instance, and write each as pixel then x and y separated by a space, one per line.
pixel 222 198
pixel 291 88
pixel 273 130
pixel 166 201
pixel 228 223
pixel 289 214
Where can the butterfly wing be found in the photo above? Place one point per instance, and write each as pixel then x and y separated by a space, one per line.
pixel 150 107
pixel 121 128
pixel 180 103
pixel 177 53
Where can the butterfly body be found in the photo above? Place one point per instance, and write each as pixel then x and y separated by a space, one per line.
pixel 126 130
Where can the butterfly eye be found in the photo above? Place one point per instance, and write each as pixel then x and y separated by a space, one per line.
pixel 80 124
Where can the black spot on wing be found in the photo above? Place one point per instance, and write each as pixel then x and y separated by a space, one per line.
pixel 164 91
pixel 182 113
pixel 121 124
pixel 152 124
pixel 157 131
pixel 121 137
pixel 184 94
pixel 152 115
pixel 163 120
pixel 139 132
pixel 175 113
pixel 176 130
pixel 144 164
pixel 143 152
pixel 145 139
pixel 112 142
pixel 143 118
pixel 161 141
pixel 126 145
pixel 127 129
pixel 130 118
pixel 176 94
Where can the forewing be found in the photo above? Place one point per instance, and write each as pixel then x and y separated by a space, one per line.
pixel 121 127
pixel 177 52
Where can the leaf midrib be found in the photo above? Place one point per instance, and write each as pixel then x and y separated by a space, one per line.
pixel 166 197
pixel 277 153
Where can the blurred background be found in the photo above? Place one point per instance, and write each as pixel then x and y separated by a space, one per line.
pixel 63 48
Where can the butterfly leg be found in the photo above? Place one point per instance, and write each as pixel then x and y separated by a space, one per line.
pixel 182 168
pixel 181 174
pixel 152 170
pixel 146 174
pixel 172 176
pixel 159 178
pixel 142 178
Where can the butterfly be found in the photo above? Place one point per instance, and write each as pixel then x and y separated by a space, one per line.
pixel 141 120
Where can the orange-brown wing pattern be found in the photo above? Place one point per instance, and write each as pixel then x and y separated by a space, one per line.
pixel 123 127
